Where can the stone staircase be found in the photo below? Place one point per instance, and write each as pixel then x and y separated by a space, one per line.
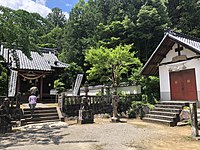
pixel 166 112
pixel 41 115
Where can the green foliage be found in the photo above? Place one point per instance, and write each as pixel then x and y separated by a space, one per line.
pixel 116 33
pixel 59 86
pixel 53 39
pixel 109 64
pixel 3 81
pixel 125 101
pixel 20 29
pixel 137 109
pixel 151 17
pixel 68 78
pixel 151 89
pixel 57 17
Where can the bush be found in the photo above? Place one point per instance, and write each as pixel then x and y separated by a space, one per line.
pixel 139 109
pixel 125 101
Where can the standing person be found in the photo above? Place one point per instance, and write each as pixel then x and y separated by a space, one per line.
pixel 32 103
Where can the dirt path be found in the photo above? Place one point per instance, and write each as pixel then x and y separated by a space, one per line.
pixel 102 135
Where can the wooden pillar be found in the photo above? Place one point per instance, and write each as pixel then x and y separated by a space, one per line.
pixel 41 88
pixel 194 121
pixel 18 83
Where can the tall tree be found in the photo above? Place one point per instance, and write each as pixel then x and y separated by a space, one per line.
pixel 20 29
pixel 116 33
pixel 151 23
pixel 79 32
pixel 57 17
pixel 53 39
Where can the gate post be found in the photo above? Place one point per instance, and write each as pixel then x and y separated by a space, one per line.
pixel 194 122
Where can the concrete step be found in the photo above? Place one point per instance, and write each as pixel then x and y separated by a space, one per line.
pixel 164 113
pixel 35 118
pixel 165 122
pixel 43 111
pixel 47 110
pixel 167 109
pixel 45 114
pixel 169 106
pixel 40 121
pixel 170 118
pixel 40 114
pixel 174 103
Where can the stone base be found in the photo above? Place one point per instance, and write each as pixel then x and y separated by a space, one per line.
pixel 115 119
pixel 85 116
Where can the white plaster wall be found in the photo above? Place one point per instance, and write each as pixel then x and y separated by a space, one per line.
pixel 164 71
pixel 172 53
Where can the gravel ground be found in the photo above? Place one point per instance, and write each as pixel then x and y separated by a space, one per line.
pixel 102 135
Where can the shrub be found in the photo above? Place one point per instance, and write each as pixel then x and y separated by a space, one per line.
pixel 139 109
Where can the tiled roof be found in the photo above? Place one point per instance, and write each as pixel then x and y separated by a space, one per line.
pixel 186 40
pixel 170 38
pixel 43 62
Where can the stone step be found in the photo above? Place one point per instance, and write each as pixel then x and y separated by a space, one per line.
pixel 169 106
pixel 39 121
pixel 165 122
pixel 35 118
pixel 41 114
pixel 167 110
pixel 44 114
pixel 41 109
pixel 164 113
pixel 27 111
pixel 161 117
pixel 174 103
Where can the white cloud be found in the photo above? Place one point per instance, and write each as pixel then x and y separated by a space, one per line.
pixel 66 15
pixel 42 2
pixel 68 5
pixel 28 5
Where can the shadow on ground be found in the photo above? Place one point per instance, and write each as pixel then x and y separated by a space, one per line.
pixel 33 134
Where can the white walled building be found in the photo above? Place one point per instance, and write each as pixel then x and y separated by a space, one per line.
pixel 177 62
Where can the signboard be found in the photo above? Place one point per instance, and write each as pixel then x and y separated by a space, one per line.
pixel 53 92
pixel 77 84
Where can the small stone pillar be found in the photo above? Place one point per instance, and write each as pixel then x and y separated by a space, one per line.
pixel 194 122
pixel 115 117
pixel 85 114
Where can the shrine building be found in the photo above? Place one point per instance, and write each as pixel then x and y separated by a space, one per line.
pixel 39 70
pixel 176 61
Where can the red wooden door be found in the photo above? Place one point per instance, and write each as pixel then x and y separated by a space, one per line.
pixel 183 85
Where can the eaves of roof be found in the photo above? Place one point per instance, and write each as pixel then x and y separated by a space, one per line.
pixel 151 66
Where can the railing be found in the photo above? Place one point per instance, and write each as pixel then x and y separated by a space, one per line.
pixel 99 104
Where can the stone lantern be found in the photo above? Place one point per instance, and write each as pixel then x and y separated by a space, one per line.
pixel 85 113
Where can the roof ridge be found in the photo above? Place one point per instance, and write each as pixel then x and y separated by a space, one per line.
pixel 191 37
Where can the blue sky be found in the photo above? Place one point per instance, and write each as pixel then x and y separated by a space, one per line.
pixel 43 7
pixel 65 5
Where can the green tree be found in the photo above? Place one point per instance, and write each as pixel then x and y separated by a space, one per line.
pixel 20 29
pixel 3 81
pixel 110 64
pixel 79 32
pixel 68 78
pixel 151 23
pixel 57 17
pixel 116 33
pixel 53 39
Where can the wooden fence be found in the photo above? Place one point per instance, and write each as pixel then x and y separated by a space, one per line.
pixel 99 104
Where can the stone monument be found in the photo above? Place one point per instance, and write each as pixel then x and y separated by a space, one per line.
pixel 115 99
pixel 85 113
